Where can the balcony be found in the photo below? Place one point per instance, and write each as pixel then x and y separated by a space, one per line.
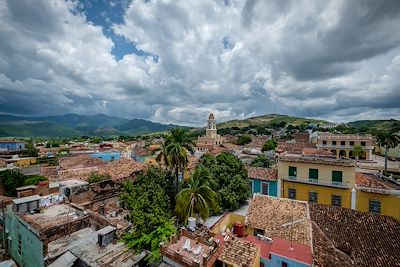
pixel 316 182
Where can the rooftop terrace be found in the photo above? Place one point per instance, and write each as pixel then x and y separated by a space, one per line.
pixel 317 160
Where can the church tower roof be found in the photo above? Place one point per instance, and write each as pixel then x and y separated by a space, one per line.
pixel 211 117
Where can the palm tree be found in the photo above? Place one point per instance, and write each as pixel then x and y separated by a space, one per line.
pixel 174 152
pixel 387 139
pixel 198 198
pixel 357 152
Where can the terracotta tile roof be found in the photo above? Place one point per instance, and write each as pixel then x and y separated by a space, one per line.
pixel 316 151
pixel 372 183
pixel 122 168
pixel 293 147
pixel 77 173
pixel 231 147
pixel 265 174
pixel 239 252
pixel 368 239
pixel 80 161
pixel 325 253
pixel 280 217
pixel 218 150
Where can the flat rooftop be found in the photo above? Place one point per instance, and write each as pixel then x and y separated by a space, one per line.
pixel 52 216
pixel 83 244
pixel 317 160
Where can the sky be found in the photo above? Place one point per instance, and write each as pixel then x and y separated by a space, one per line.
pixel 177 61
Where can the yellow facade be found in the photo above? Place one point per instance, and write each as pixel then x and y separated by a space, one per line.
pixel 24 162
pixel 323 186
pixel 389 204
pixel 324 193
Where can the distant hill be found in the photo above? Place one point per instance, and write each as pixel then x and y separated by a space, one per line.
pixel 268 119
pixel 376 124
pixel 70 125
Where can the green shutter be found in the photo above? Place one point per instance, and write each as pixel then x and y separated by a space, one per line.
pixel 292 171
pixel 313 174
pixel 337 176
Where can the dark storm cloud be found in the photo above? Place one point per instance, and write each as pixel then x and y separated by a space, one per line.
pixel 330 59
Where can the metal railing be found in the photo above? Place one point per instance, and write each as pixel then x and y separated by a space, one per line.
pixel 316 181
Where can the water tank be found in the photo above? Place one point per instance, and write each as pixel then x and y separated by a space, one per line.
pixel 238 229
pixel 192 223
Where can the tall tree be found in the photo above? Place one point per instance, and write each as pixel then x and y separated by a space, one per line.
pixel 357 152
pixel 229 179
pixel 387 139
pixel 174 152
pixel 30 149
pixel 198 199
pixel 150 212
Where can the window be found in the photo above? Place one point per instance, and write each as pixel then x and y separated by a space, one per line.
pixel 362 143
pixel 336 200
pixel 284 264
pixel 374 206
pixel 112 158
pixel 19 244
pixel 352 143
pixel 258 232
pixel 342 143
pixel 292 171
pixel 313 174
pixel 324 142
pixel 251 186
pixel 313 197
pixel 337 177
pixel 334 143
pixel 265 188
pixel 292 193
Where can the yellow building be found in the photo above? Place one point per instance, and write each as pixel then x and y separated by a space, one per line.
pixel 341 145
pixel 331 181
pixel 320 180
pixel 21 162
pixel 377 195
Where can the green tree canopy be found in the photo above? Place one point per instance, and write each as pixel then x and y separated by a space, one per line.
pixel 387 139
pixel 261 161
pixel 269 145
pixel 12 179
pixel 150 212
pixel 174 151
pixel 30 149
pixel 228 178
pixel 243 140
pixel 357 151
pixel 198 198
pixel 95 177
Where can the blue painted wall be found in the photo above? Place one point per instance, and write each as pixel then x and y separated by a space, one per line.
pixel 277 261
pixel 107 156
pixel 256 187
pixel 12 146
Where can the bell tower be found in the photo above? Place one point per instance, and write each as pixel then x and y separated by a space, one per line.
pixel 211 131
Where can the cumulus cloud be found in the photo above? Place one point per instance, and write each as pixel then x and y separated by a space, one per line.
pixel 337 60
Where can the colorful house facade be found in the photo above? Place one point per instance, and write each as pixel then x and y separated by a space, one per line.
pixel 321 180
pixel 264 181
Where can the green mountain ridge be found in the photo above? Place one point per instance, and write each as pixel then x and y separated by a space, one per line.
pixel 70 125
